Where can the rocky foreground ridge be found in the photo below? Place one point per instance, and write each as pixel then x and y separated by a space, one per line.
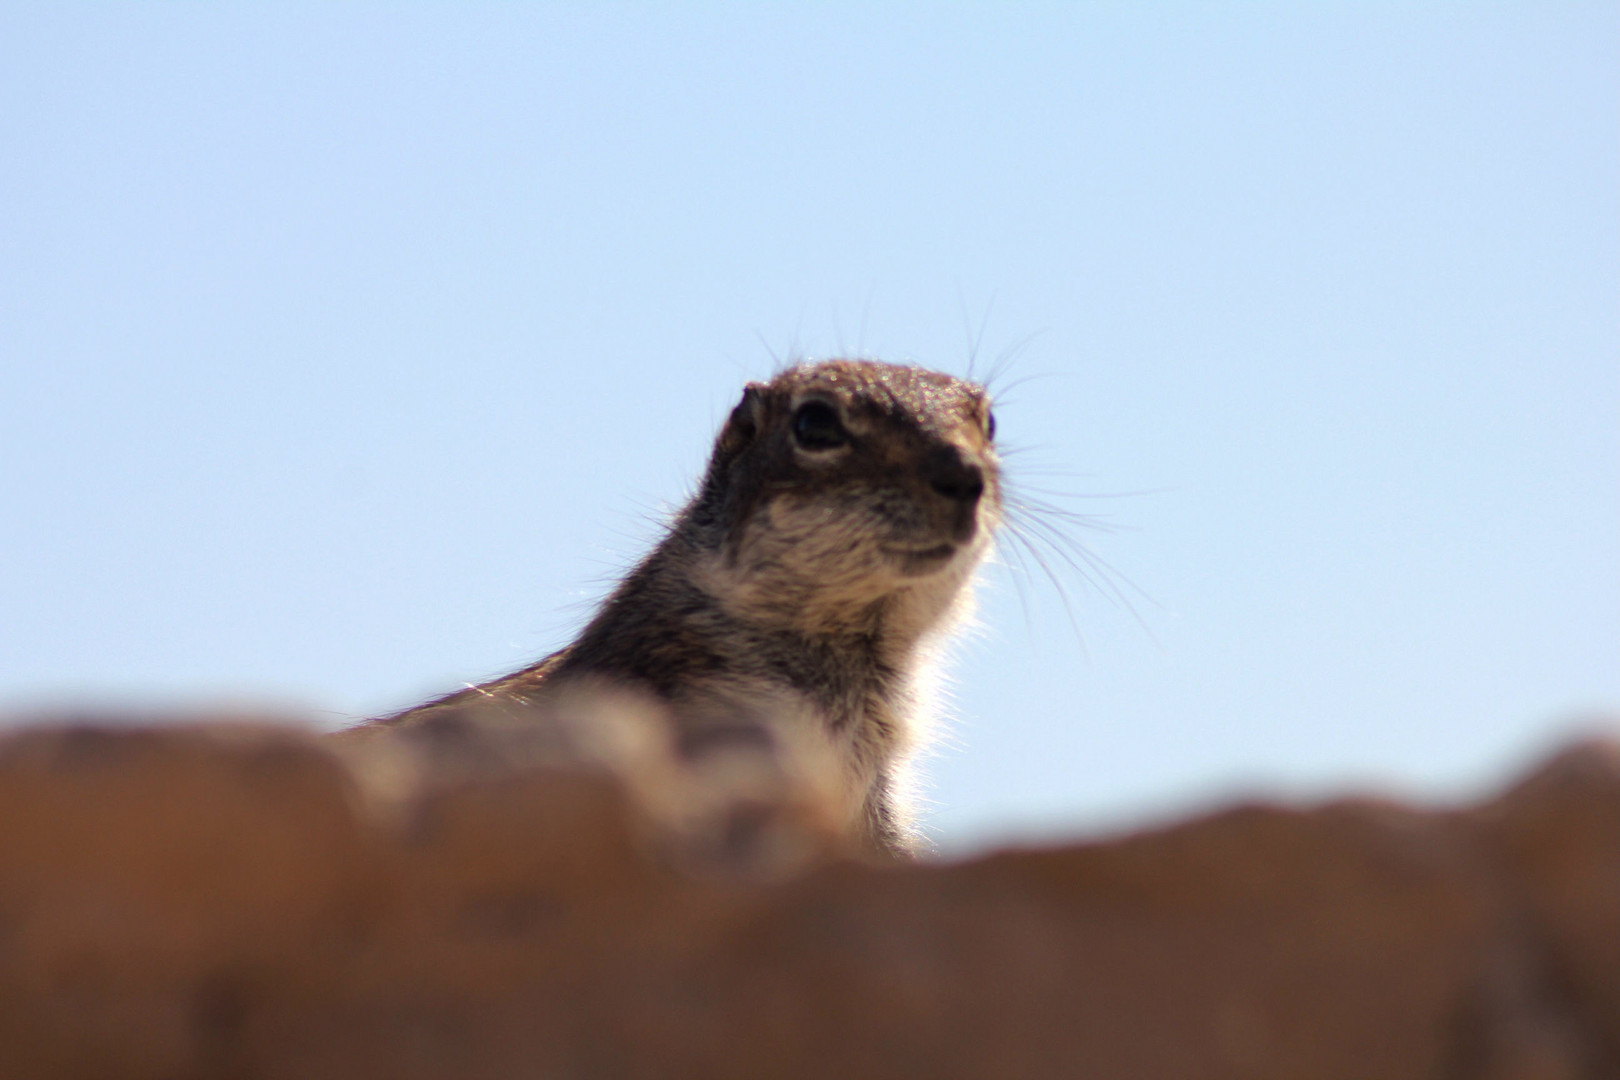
pixel 238 902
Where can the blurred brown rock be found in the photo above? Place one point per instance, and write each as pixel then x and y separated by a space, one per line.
pixel 238 901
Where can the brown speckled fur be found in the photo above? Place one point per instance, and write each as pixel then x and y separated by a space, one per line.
pixel 824 577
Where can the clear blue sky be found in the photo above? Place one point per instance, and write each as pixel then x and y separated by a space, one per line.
pixel 347 352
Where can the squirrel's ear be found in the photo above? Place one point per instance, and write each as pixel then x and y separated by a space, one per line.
pixel 745 420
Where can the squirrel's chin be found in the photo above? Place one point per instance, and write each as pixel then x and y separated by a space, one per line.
pixel 922 562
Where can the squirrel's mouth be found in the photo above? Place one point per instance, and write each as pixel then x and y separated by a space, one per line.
pixel 917 561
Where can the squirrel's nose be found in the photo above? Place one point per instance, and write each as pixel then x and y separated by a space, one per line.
pixel 952 477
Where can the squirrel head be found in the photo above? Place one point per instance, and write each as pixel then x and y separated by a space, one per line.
pixel 845 481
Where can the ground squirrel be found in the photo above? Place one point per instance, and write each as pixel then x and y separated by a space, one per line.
pixel 802 591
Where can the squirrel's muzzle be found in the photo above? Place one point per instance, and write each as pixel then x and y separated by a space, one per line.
pixel 960 481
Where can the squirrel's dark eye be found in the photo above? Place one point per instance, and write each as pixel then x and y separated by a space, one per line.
pixel 990 426
pixel 816 427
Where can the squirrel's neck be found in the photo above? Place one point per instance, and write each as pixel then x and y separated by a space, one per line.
pixel 680 620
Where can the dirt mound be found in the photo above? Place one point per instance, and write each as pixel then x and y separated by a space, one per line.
pixel 238 901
